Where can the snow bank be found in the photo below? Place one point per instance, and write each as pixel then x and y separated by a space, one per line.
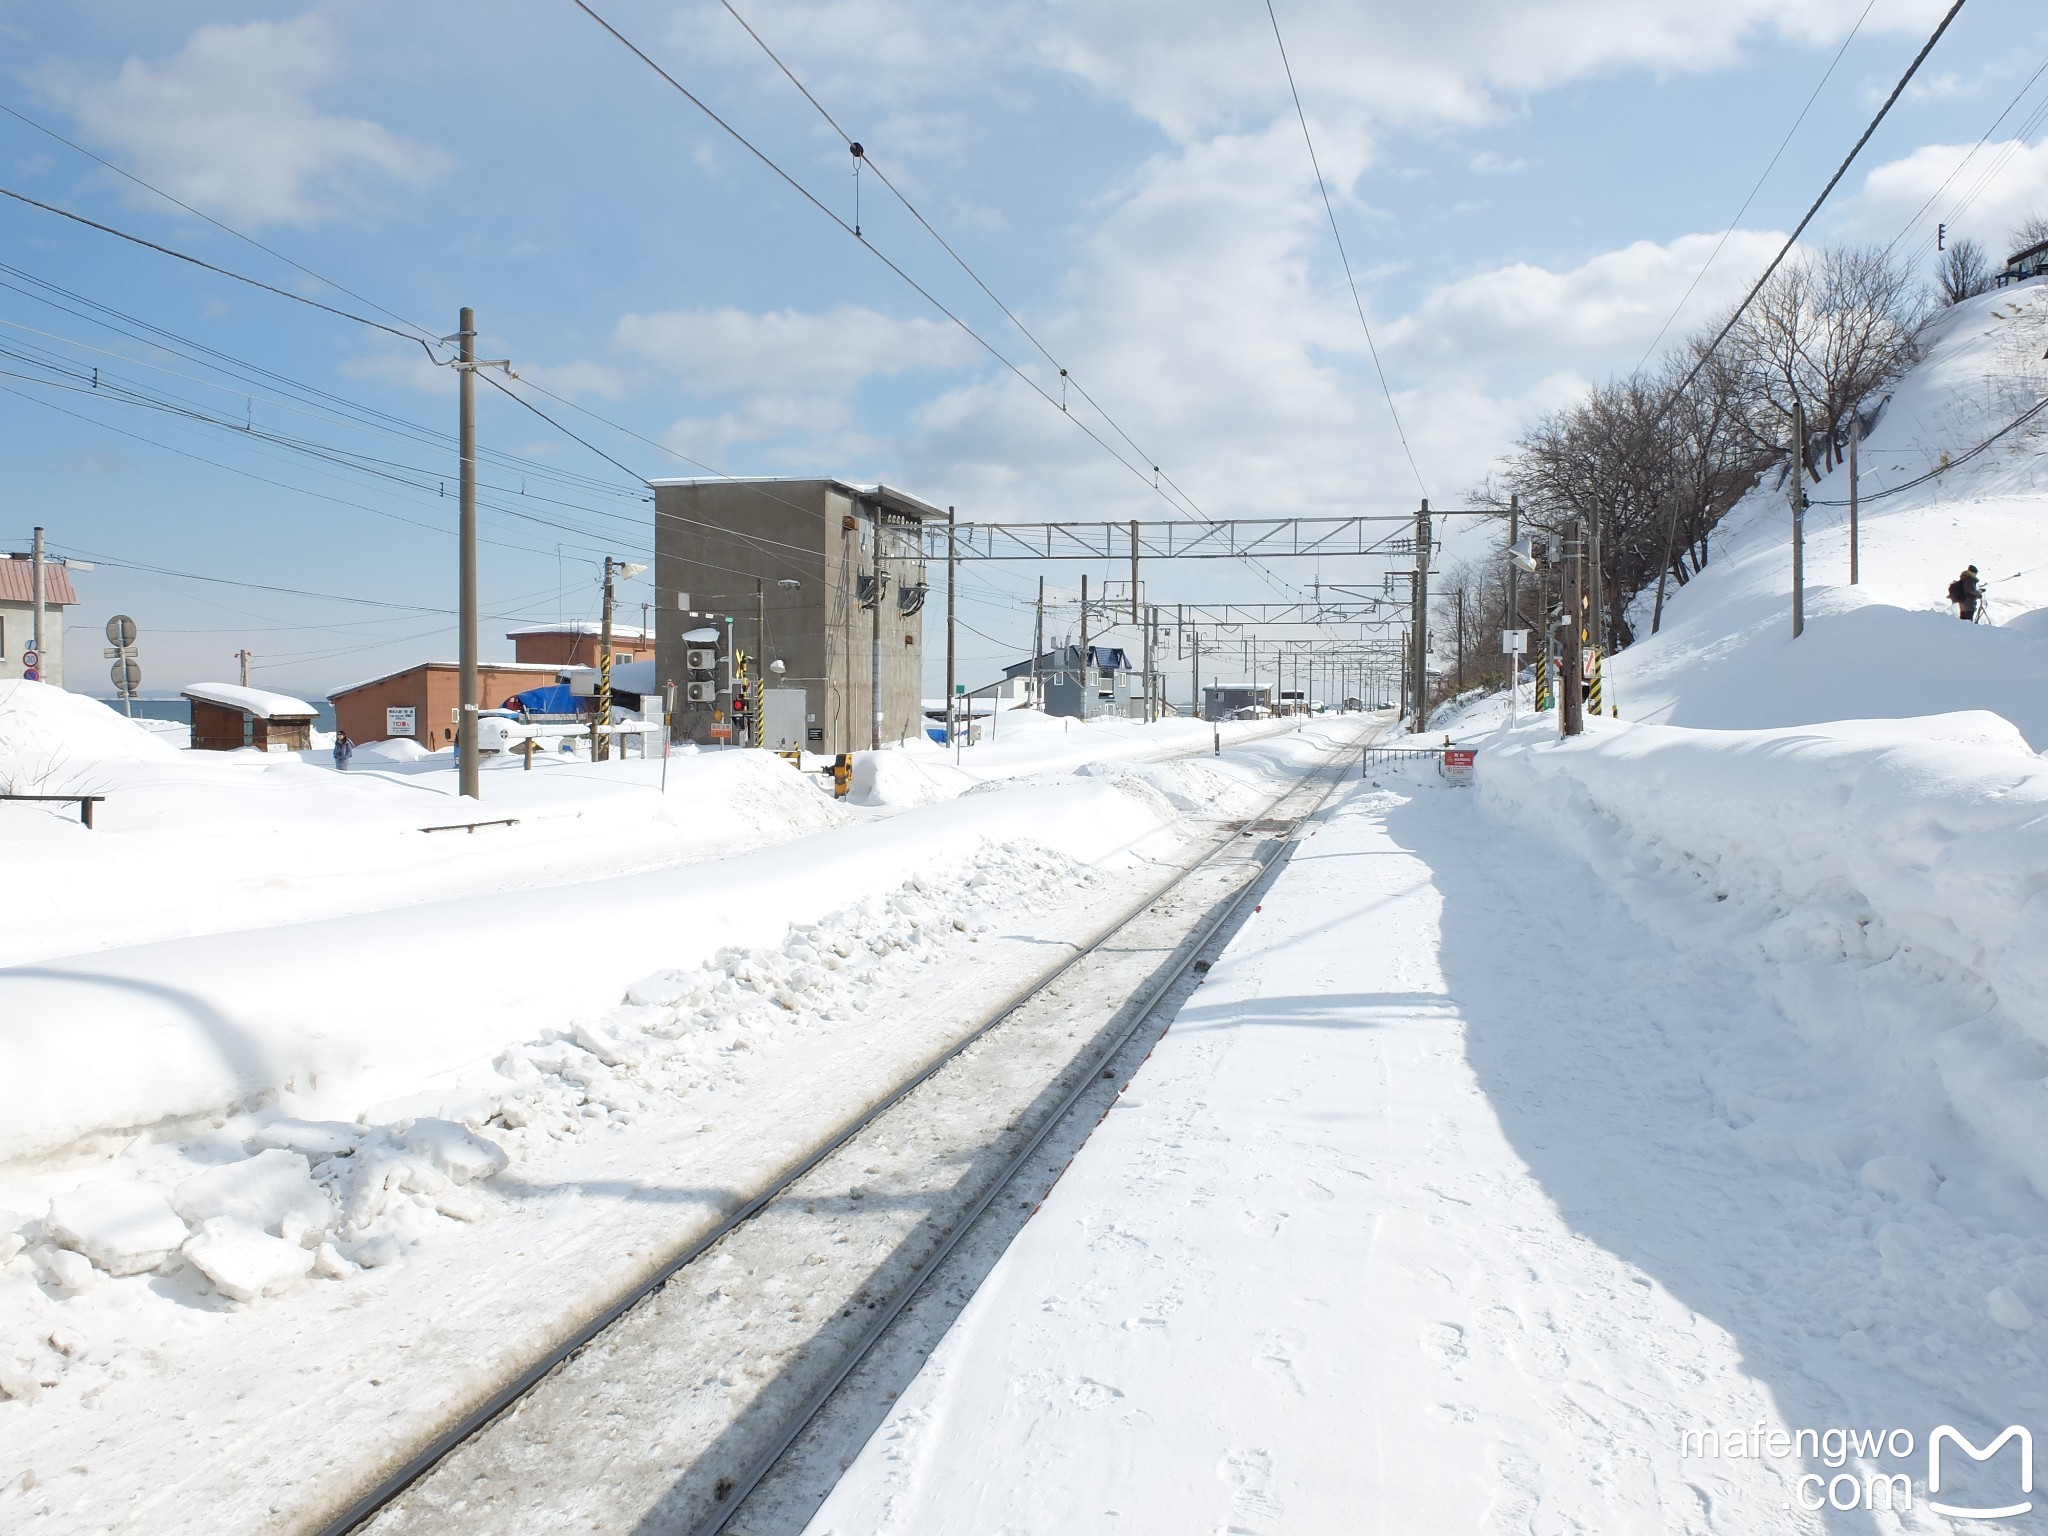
pixel 50 739
pixel 1888 647
pixel 118 1042
pixel 1887 858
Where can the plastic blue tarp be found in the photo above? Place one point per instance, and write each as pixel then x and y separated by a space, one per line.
pixel 552 702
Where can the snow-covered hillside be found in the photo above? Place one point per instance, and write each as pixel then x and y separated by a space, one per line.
pixel 1889 646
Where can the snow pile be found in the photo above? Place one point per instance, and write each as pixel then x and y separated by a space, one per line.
pixel 50 740
pixel 1890 646
pixel 1886 878
pixel 266 1204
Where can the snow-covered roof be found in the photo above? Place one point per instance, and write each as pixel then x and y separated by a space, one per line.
pixel 583 627
pixel 260 702
pixel 889 497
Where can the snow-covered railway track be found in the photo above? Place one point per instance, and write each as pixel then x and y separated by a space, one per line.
pixel 668 1409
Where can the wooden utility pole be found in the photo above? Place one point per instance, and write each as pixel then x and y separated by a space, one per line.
pixel 36 597
pixel 1855 437
pixel 244 656
pixel 1798 500
pixel 952 585
pixel 1573 715
pixel 470 782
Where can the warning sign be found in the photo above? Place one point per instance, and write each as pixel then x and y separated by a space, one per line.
pixel 721 732
pixel 1458 764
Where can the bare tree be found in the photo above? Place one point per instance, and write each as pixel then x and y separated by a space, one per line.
pixel 2029 232
pixel 1826 333
pixel 1965 272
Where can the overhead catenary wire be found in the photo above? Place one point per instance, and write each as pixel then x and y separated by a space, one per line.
pixel 1706 353
pixel 1141 471
pixel 868 159
pixel 1329 208
pixel 1777 154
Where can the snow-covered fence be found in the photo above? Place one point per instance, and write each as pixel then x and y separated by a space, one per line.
pixel 1919 844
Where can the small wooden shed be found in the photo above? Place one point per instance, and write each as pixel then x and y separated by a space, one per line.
pixel 226 716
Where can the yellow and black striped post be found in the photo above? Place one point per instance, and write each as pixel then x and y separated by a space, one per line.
pixel 1543 698
pixel 1593 684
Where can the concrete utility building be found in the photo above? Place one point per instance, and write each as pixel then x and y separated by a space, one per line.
pixel 576 645
pixel 18 615
pixel 422 702
pixel 815 547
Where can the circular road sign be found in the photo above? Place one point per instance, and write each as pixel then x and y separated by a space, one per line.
pixel 127 675
pixel 120 630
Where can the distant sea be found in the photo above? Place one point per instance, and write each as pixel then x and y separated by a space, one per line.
pixel 180 710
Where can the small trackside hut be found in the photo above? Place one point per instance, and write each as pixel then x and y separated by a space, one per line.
pixel 227 717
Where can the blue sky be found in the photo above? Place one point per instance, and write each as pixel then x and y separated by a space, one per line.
pixel 1525 191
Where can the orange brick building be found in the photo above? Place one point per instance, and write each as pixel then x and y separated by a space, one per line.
pixel 576 645
pixel 421 702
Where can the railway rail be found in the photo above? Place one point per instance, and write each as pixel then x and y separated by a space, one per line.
pixel 669 1408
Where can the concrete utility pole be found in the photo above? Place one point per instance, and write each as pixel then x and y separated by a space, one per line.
pixel 1855 437
pixel 1134 570
pixel 243 656
pixel 1514 570
pixel 1087 691
pixel 1195 678
pixel 1421 626
pixel 601 749
pixel 1573 714
pixel 952 585
pixel 1038 649
pixel 760 699
pixel 1596 588
pixel 1798 500
pixel 36 599
pixel 875 657
pixel 1151 618
pixel 1461 639
pixel 469 781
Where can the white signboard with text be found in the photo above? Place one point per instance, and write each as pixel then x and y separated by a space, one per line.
pixel 399 720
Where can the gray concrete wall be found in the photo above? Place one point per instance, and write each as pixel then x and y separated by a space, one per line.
pixel 712 541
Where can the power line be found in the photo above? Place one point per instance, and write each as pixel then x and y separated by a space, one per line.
pixel 1793 239
pixel 44 128
pixel 165 250
pixel 808 196
pixel 867 158
pixel 1735 222
pixel 1329 209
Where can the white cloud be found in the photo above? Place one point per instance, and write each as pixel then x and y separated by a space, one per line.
pixel 1602 314
pixel 228 125
pixel 1995 188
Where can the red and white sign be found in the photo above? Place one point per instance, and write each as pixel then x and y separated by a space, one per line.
pixel 1458 763
pixel 721 732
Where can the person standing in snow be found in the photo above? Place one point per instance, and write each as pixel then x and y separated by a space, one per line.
pixel 1965 593
pixel 344 749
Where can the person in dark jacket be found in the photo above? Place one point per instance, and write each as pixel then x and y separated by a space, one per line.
pixel 1965 593
pixel 344 749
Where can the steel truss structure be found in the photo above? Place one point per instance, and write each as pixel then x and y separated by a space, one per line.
pixel 1236 538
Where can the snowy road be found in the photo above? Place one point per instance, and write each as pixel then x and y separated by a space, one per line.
pixel 1431 1213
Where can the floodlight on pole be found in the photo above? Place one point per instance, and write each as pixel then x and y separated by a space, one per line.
pixel 1523 553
